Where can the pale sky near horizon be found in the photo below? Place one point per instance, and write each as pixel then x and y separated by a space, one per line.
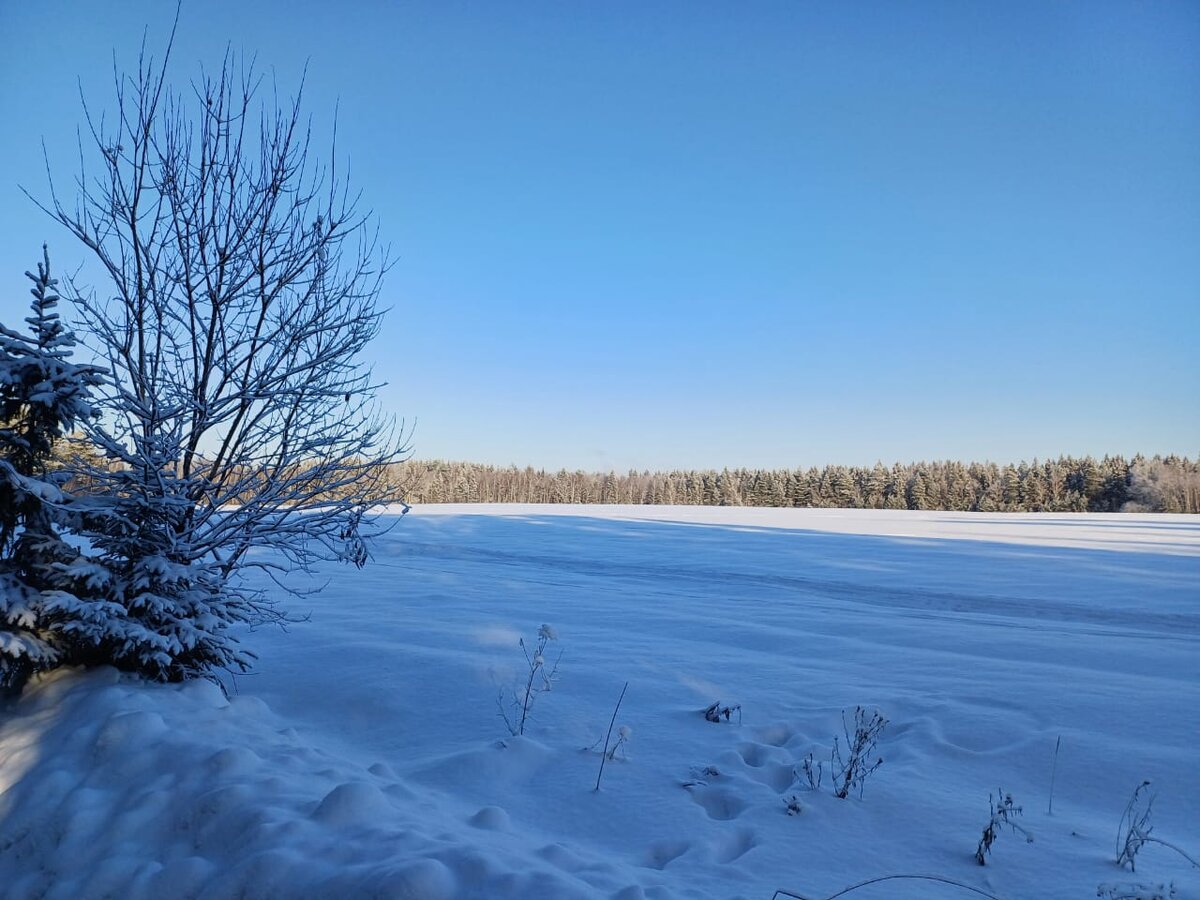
pixel 673 235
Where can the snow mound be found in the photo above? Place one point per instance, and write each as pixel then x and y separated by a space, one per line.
pixel 113 787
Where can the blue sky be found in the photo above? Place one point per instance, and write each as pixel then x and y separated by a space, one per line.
pixel 710 234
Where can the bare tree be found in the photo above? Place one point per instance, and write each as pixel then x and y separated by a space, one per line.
pixel 242 287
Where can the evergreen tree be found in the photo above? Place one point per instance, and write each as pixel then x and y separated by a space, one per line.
pixel 1010 490
pixel 1032 492
pixel 42 397
pixel 798 493
pixel 875 491
pixel 169 605
pixel 918 490
pixel 896 490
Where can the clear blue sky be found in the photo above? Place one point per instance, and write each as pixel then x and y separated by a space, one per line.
pixel 713 234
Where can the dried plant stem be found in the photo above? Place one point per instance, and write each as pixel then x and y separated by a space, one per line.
pixel 940 879
pixel 608 737
pixel 1170 846
pixel 1053 772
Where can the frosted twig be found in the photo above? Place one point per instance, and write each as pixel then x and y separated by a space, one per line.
pixel 1135 828
pixel 1003 814
pixel 853 772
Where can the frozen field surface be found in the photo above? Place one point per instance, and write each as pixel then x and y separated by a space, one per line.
pixel 366 756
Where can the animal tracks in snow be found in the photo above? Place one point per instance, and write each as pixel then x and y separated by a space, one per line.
pixel 737 846
pixel 755 755
pixel 663 853
pixel 756 773
pixel 720 802
pixel 778 735
pixel 727 848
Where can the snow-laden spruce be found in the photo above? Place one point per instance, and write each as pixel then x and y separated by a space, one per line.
pixel 43 396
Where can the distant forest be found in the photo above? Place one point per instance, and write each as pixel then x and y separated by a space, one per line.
pixel 1067 484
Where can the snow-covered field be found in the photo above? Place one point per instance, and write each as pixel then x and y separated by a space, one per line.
pixel 366 757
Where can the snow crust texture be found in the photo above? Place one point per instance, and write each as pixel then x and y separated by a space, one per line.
pixel 367 757
pixel 116 788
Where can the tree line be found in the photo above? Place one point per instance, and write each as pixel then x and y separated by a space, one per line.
pixel 1067 484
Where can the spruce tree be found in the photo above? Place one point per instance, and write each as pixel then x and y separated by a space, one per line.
pixel 42 397
pixel 169 605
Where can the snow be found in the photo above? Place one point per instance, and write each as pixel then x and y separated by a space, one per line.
pixel 366 756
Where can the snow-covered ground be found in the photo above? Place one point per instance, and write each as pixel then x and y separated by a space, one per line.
pixel 366 757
